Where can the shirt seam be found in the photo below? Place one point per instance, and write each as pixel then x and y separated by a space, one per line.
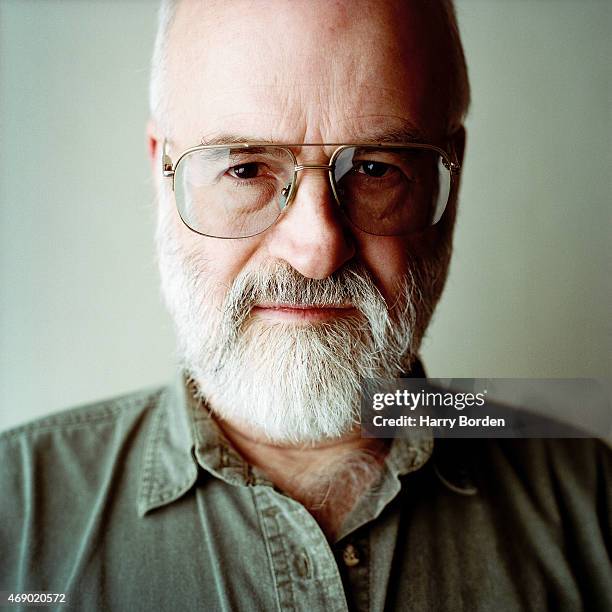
pixel 148 478
pixel 255 494
pixel 34 428
pixel 81 416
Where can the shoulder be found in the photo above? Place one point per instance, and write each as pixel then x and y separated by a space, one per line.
pixel 543 458
pixel 106 411
pixel 83 435
pixel 557 477
pixel 548 472
pixel 579 464
pixel 569 455
pixel 61 473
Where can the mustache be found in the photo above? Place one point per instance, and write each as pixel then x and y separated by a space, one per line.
pixel 279 282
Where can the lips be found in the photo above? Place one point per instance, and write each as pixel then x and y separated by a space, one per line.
pixel 302 312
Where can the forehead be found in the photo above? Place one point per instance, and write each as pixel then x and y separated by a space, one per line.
pixel 305 70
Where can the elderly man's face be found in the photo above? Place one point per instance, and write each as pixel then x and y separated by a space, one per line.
pixel 300 72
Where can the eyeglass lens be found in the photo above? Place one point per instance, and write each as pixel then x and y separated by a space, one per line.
pixel 236 192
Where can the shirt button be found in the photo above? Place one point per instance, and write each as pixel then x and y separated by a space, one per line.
pixel 301 565
pixel 350 556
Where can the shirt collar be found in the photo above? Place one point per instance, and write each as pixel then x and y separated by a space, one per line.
pixel 169 469
pixel 183 435
pixel 182 438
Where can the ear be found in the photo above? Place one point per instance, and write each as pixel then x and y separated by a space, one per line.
pixel 457 142
pixel 153 144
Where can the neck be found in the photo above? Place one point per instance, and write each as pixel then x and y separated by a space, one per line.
pixel 327 477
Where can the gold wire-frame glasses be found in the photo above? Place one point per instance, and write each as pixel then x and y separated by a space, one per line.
pixel 367 220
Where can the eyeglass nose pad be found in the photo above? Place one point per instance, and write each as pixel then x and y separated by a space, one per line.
pixel 284 195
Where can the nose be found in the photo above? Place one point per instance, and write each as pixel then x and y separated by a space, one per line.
pixel 312 235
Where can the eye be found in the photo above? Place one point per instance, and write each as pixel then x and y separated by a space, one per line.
pixel 245 171
pixel 373 169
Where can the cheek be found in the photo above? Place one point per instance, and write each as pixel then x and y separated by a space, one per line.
pixel 386 258
pixel 221 260
pixel 214 261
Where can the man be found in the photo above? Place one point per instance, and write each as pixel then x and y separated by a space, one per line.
pixel 307 156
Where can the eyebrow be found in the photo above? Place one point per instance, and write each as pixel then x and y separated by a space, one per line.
pixel 220 139
pixel 407 133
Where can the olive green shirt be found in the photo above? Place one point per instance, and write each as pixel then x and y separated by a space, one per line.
pixel 139 503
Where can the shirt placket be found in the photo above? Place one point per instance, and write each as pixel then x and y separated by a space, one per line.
pixel 353 559
pixel 303 565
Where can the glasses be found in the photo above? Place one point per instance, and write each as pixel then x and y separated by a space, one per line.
pixel 241 190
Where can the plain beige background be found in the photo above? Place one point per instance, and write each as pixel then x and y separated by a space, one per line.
pixel 80 316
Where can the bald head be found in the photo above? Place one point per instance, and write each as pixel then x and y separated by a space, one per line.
pixel 405 36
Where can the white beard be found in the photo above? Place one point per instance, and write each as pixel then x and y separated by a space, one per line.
pixel 297 383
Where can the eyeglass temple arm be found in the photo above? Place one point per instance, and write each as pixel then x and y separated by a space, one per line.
pixel 167 165
pixel 454 166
